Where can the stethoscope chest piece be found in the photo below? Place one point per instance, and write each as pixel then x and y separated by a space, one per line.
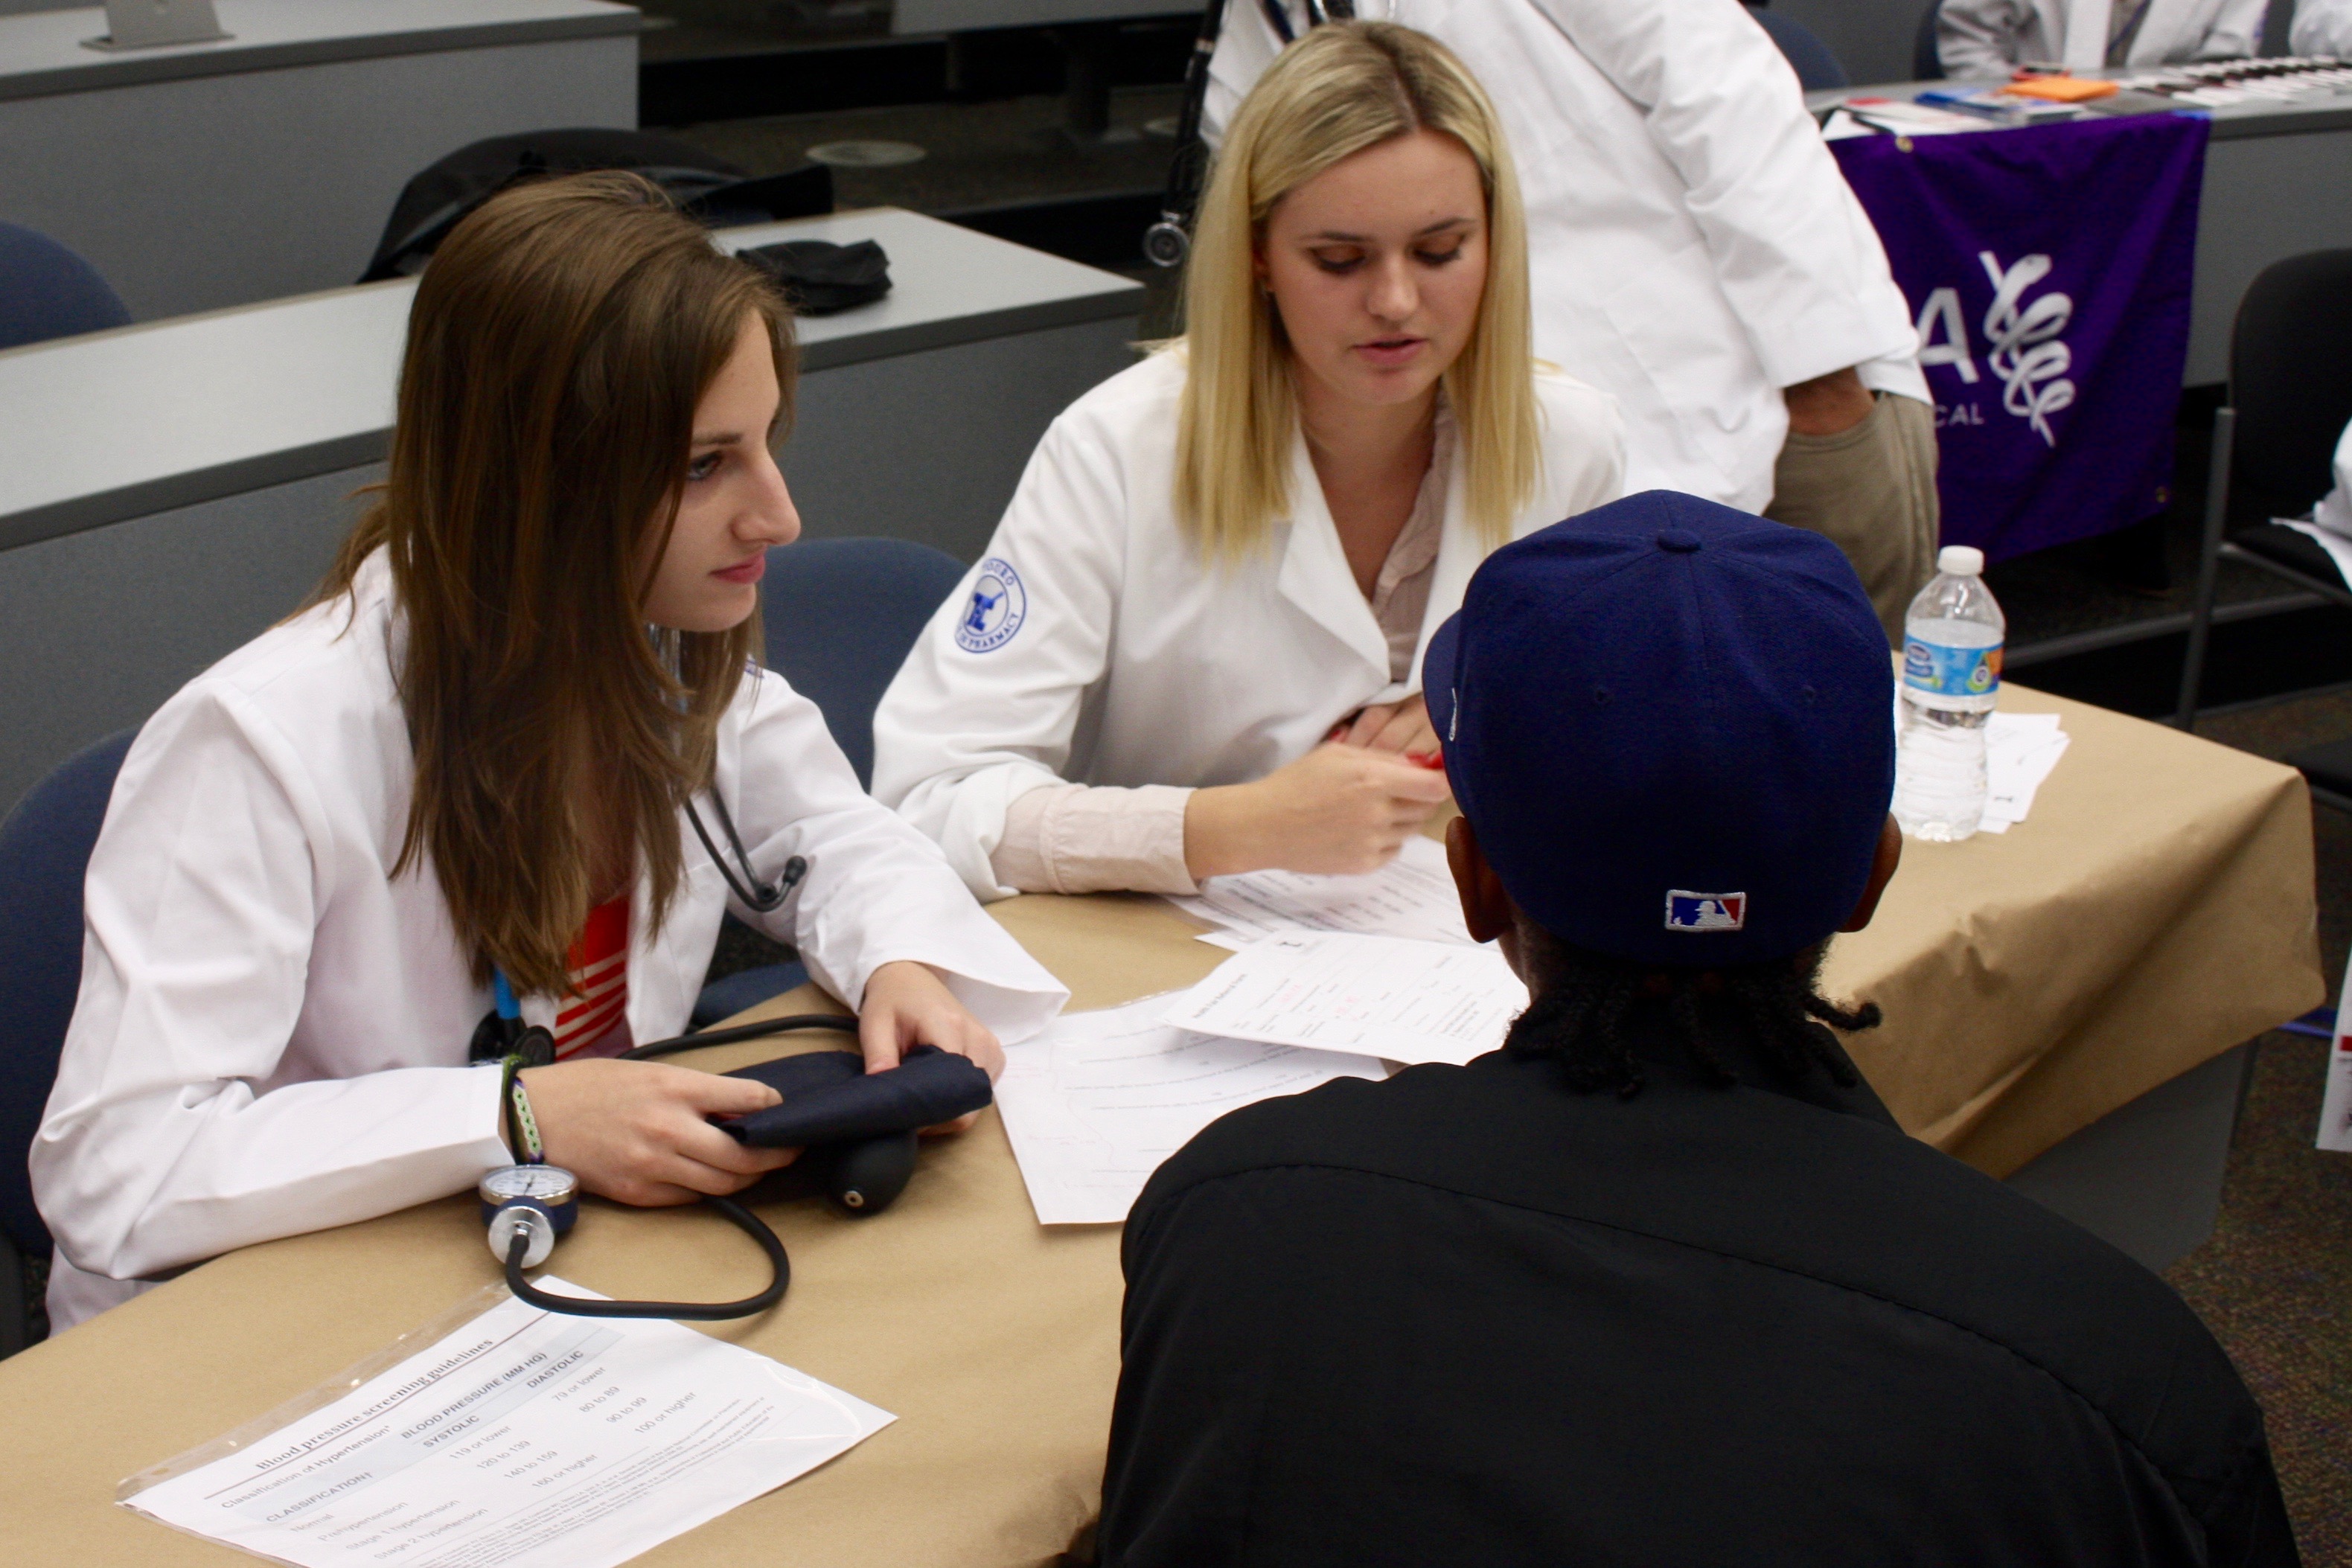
pixel 542 1200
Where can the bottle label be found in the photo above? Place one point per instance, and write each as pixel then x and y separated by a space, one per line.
pixel 1950 672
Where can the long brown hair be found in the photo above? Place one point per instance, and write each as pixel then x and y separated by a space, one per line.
pixel 558 345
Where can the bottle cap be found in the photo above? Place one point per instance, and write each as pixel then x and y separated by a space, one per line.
pixel 1960 560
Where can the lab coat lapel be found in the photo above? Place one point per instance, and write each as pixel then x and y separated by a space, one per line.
pixel 1459 553
pixel 1314 575
pixel 2166 24
pixel 656 970
pixel 2087 22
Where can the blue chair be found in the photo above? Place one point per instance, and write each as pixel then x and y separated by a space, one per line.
pixel 1817 68
pixel 841 615
pixel 46 291
pixel 45 848
pixel 1927 54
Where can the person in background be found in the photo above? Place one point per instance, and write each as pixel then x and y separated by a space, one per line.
pixel 1992 37
pixel 1696 254
pixel 477 754
pixel 2322 27
pixel 1660 1282
pixel 1193 646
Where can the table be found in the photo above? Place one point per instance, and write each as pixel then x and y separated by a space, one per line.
pixel 2274 187
pixel 128 565
pixel 197 176
pixel 2012 1021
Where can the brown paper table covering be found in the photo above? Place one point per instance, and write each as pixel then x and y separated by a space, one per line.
pixel 2154 911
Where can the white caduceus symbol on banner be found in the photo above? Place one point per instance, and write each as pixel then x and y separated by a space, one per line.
pixel 2026 354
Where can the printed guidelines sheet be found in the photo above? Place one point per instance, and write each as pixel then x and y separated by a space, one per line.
pixel 524 1439
pixel 1412 895
pixel 2020 749
pixel 1095 1104
pixel 1378 995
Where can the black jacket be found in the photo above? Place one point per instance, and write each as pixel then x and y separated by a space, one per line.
pixel 1471 1316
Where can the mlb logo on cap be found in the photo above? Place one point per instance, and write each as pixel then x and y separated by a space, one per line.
pixel 1706 911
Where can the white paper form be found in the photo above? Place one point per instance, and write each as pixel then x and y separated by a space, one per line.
pixel 2020 749
pixel 1412 895
pixel 1095 1104
pixel 1379 996
pixel 524 1439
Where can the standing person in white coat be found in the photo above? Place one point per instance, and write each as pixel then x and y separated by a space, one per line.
pixel 473 754
pixel 1195 646
pixel 1696 253
pixel 1990 37
pixel 2322 27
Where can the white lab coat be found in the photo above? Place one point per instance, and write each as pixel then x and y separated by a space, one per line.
pixel 1692 244
pixel 271 1034
pixel 2323 27
pixel 1134 662
pixel 1987 37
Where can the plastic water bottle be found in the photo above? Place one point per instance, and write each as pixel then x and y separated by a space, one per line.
pixel 1951 678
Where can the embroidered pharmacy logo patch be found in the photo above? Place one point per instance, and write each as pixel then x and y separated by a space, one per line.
pixel 994 610
pixel 1706 911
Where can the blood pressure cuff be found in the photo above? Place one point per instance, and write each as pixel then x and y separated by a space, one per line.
pixel 830 1098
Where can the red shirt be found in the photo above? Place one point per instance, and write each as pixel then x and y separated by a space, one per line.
pixel 594 1019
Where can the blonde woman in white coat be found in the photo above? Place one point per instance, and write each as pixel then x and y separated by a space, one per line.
pixel 1989 37
pixel 1193 646
pixel 475 754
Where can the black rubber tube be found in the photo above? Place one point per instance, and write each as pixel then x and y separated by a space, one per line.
pixel 750 1224
pixel 759 1030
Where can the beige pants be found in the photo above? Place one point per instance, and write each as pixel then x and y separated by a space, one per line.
pixel 1872 490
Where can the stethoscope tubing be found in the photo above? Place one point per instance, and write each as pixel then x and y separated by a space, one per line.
pixel 750 1224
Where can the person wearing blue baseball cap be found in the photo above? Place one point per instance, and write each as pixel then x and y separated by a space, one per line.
pixel 1660 1282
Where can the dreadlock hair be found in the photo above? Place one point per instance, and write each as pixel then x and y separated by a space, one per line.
pixel 1583 999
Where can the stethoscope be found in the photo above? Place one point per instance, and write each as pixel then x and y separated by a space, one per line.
pixel 526 1206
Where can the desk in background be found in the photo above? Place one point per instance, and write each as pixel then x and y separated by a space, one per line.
pixel 196 176
pixel 2033 984
pixel 168 491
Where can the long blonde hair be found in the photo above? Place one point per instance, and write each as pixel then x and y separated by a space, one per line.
pixel 1341 88
pixel 558 347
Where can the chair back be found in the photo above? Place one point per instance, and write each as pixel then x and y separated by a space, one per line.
pixel 46 291
pixel 45 848
pixel 1815 65
pixel 2291 383
pixel 841 616
pixel 1927 54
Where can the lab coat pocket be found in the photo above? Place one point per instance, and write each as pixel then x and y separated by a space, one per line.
pixel 1681 333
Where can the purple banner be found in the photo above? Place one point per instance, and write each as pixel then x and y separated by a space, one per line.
pixel 2048 267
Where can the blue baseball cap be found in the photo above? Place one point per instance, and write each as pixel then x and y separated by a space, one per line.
pixel 1671 725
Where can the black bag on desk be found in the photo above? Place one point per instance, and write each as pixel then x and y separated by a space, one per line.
pixel 706 187
pixel 820 279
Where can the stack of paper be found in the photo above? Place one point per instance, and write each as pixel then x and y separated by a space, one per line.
pixel 1381 996
pixel 1095 1104
pixel 1412 895
pixel 2020 748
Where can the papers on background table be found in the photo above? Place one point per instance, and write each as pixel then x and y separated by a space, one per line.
pixel 1380 996
pixel 1412 895
pixel 2020 748
pixel 1095 1104
pixel 526 1439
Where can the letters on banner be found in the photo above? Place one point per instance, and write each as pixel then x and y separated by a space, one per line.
pixel 2048 268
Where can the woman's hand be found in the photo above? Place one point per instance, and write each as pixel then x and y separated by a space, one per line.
pixel 1339 810
pixel 1402 728
pixel 907 1005
pixel 638 1132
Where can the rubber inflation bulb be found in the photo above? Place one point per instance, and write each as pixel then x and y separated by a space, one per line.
pixel 867 1177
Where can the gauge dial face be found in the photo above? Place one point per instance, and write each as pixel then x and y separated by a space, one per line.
pixel 549 1184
